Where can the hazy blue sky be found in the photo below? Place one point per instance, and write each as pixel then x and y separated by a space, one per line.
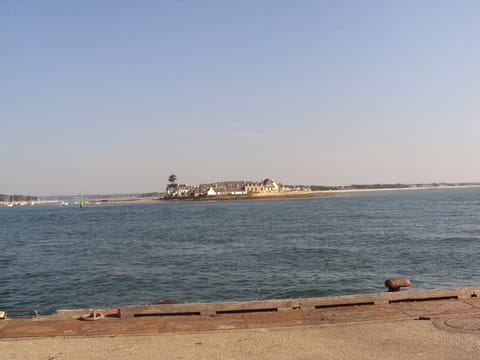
pixel 113 96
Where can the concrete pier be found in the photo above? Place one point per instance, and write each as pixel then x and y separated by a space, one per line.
pixel 427 324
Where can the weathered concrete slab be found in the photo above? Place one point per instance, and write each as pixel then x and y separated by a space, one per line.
pixel 390 297
pixel 208 308
pixel 292 304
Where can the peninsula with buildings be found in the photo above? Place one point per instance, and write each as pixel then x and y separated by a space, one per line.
pixel 233 190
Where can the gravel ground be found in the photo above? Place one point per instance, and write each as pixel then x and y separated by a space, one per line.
pixel 404 339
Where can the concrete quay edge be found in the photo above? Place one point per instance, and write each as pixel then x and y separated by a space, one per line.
pixel 288 313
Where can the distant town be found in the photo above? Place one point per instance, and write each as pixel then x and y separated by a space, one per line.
pixel 224 190
pixel 241 188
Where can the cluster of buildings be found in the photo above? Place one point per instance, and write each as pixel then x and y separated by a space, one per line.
pixel 227 188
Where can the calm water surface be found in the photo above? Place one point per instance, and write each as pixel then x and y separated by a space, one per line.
pixel 106 255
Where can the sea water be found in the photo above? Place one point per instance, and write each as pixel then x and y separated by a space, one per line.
pixel 54 257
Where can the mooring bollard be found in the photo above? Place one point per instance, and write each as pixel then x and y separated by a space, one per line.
pixel 395 283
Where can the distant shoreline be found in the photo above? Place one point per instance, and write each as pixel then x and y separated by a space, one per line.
pixel 314 193
pixel 283 195
pixel 430 187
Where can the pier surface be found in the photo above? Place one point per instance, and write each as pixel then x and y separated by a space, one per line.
pixel 426 324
